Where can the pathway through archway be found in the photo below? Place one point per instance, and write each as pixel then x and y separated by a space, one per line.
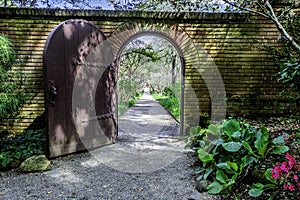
pixel 149 139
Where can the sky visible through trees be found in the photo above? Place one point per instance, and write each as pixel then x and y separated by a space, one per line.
pixel 148 61
pixel 147 5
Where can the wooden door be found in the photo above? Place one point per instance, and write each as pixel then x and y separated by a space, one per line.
pixel 80 89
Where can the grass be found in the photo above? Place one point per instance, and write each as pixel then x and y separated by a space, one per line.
pixel 170 103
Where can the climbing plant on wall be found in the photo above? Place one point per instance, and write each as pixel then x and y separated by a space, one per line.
pixel 11 94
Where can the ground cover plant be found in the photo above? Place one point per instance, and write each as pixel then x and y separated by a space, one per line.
pixel 247 160
pixel 17 148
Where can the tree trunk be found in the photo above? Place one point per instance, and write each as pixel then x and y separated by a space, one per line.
pixel 173 69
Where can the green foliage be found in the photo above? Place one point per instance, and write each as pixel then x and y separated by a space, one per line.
pixel 287 58
pixel 128 94
pixel 7 54
pixel 123 106
pixel 235 151
pixel 16 149
pixel 290 73
pixel 172 5
pixel 11 93
pixel 169 99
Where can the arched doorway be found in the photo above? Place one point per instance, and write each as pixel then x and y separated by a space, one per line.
pixel 154 61
pixel 79 88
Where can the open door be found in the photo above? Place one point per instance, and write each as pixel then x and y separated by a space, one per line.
pixel 80 93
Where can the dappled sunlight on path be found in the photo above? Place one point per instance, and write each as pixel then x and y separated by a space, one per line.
pixel 148 161
pixel 149 139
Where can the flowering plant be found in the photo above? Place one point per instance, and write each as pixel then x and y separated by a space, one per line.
pixel 287 174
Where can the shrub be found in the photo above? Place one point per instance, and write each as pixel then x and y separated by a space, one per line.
pixel 235 152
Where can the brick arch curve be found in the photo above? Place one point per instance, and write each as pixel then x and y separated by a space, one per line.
pixel 184 45
pixel 188 52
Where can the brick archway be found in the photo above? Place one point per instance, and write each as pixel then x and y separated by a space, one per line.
pixel 193 58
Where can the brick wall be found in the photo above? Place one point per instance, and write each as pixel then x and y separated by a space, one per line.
pixel 211 45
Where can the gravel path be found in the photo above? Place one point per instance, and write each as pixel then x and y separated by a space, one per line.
pixel 147 162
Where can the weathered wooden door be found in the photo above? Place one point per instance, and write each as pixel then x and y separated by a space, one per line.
pixel 80 89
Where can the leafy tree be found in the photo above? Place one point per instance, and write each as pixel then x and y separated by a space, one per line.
pixel 279 17
pixel 285 17
pixel 148 59
pixel 287 21
pixel 172 5
pixel 65 4
pixel 132 71
pixel 166 70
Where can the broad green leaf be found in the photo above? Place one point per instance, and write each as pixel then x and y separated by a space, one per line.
pixel 218 142
pixel 247 160
pixel 204 156
pixel 268 176
pixel 199 170
pixel 255 192
pixel 221 176
pixel 208 172
pixel 196 131
pixel 263 150
pixel 247 146
pixel 279 140
pixel 213 129
pixel 232 146
pixel 236 134
pixel 261 142
pixel 223 166
pixel 258 185
pixel 265 133
pixel 230 127
pixel 215 187
pixel 233 165
pixel 280 150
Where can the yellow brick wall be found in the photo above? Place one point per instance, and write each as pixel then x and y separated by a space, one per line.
pixel 232 41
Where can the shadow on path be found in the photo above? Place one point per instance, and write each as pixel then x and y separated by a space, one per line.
pixel 147 162
pixel 148 140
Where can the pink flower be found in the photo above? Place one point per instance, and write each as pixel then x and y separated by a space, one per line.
pixel 286 186
pixel 284 168
pixel 291 159
pixel 276 171
pixel 287 173
pixel 291 187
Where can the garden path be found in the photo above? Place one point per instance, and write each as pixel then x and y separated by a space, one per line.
pixel 148 161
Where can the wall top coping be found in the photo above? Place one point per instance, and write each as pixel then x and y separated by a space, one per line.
pixel 122 14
